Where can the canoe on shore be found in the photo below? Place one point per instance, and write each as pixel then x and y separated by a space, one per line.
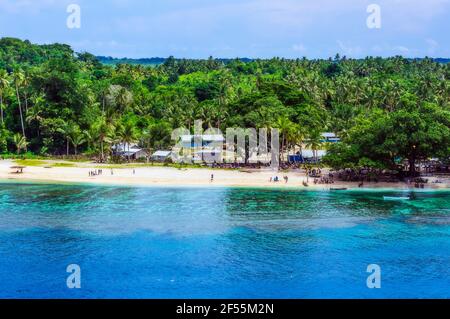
pixel 338 189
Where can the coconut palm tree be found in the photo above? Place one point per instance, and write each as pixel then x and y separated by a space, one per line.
pixel 34 114
pixel 128 135
pixel 66 130
pixel 295 136
pixel 314 142
pixel 89 138
pixel 25 84
pixel 4 85
pixel 18 78
pixel 124 99
pixel 20 142
pixel 103 91
pixel 284 125
pixel 101 132
pixel 77 138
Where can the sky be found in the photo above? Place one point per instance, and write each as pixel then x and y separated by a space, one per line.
pixel 235 28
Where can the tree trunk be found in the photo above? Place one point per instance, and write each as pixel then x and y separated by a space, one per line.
pixel 412 166
pixel 1 109
pixel 21 115
pixel 67 143
pixel 101 147
pixel 26 102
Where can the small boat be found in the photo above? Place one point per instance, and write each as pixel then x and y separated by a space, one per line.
pixel 396 197
pixel 338 189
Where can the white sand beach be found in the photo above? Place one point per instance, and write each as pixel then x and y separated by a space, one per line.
pixel 167 176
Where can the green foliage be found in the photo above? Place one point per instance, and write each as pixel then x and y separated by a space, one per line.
pixel 381 139
pixel 62 102
pixel 20 142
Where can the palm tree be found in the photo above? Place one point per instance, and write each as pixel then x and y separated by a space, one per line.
pixel 4 85
pixel 66 130
pixel 295 136
pixel 89 138
pixel 124 99
pixel 128 135
pixel 205 112
pixel 314 142
pixel 284 125
pixel 77 138
pixel 18 78
pixel 34 114
pixel 20 142
pixel 224 96
pixel 25 83
pixel 101 132
pixel 103 92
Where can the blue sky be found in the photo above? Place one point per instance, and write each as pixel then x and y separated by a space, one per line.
pixel 235 28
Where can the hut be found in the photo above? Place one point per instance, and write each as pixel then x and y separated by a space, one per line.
pixel 129 151
pixel 161 156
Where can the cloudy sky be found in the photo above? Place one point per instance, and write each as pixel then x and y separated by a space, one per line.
pixel 235 28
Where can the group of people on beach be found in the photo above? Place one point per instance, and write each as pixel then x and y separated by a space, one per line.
pixel 275 179
pixel 324 179
pixel 98 172
pixel 95 172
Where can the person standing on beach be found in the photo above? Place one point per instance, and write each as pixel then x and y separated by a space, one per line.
pixel 212 177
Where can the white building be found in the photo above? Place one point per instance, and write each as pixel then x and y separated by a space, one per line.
pixel 204 148
pixel 203 141
pixel 131 151
pixel 161 156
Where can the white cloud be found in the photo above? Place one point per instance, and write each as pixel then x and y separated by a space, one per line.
pixel 299 48
pixel 402 49
pixel 26 6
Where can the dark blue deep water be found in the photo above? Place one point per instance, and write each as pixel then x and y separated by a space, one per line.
pixel 221 243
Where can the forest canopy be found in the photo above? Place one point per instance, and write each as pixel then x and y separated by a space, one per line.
pixel 55 101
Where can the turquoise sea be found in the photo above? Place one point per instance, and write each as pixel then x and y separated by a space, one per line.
pixel 222 242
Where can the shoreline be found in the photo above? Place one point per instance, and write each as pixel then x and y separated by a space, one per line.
pixel 185 186
pixel 167 177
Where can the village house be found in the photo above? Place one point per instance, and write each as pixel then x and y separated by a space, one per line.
pixel 129 151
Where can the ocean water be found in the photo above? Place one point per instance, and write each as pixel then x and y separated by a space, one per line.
pixel 221 242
